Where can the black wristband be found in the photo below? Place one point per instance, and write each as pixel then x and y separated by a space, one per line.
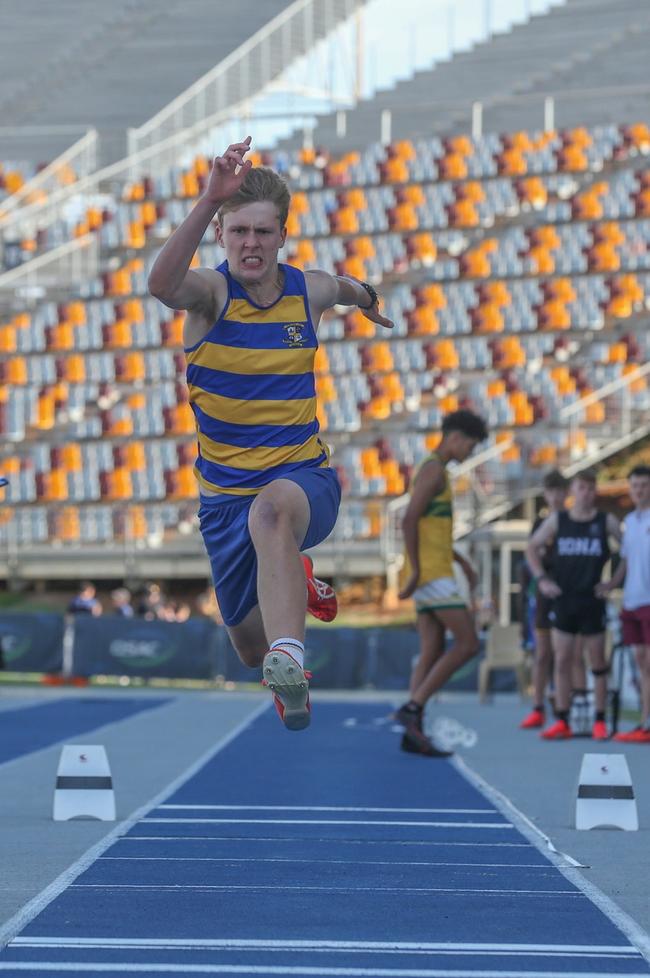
pixel 372 293
pixel 541 577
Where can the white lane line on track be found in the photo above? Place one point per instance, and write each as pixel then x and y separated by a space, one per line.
pixel 339 842
pixel 322 821
pixel 329 808
pixel 328 946
pixel 626 924
pixel 324 862
pixel 320 972
pixel 27 913
pixel 247 887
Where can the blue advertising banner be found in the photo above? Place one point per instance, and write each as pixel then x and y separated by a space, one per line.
pixel 31 643
pixel 123 647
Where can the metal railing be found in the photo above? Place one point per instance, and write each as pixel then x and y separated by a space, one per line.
pixel 58 270
pixel 77 161
pixel 246 71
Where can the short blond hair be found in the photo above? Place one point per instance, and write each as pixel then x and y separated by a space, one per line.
pixel 260 183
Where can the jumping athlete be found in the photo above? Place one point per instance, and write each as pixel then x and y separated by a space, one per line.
pixel 266 488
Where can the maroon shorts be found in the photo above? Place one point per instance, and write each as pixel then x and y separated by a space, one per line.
pixel 636 625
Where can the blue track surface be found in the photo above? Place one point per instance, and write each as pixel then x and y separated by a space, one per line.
pixel 32 728
pixel 327 852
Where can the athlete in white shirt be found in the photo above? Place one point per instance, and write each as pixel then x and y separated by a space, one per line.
pixel 635 568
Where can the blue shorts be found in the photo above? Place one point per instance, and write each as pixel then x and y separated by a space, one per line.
pixel 224 528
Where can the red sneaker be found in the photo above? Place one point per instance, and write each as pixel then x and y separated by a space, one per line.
pixel 288 683
pixel 321 598
pixel 599 730
pixel 639 735
pixel 536 718
pixel 560 730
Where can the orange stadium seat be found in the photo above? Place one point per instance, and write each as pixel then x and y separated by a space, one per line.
pixel 422 247
pixel 403 217
pixel 532 191
pixel 71 457
pixel 553 314
pixel 8 343
pixel 355 266
pixel 518 140
pixel 544 455
pixel 511 163
pixel 453 166
pixel 542 259
pixel 344 221
pixel 432 295
pixel 572 159
pixel 321 360
pixel 412 194
pixel 326 388
pixel 172 330
pixel 603 257
pixel 448 403
pixel 476 263
pixel 422 321
pixel 637 135
pixel 394 170
pixel 357 326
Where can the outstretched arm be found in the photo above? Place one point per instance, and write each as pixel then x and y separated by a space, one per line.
pixel 171 279
pixel 327 290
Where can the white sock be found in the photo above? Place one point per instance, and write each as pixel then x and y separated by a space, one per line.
pixel 295 648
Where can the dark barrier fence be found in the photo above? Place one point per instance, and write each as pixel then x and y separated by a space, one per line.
pixel 32 643
pixel 340 658
pixel 122 647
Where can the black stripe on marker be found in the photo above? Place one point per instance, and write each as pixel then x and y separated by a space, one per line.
pixel 84 784
pixel 605 791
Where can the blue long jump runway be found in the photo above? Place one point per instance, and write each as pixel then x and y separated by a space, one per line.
pixel 327 852
pixel 26 729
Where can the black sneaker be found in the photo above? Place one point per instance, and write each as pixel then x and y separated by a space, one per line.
pixel 407 717
pixel 415 742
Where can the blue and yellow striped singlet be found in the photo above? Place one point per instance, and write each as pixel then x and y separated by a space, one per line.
pixel 253 392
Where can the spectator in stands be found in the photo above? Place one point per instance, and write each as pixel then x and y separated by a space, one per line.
pixel 430 556
pixel 555 488
pixel 150 602
pixel 85 601
pixel 267 490
pixel 578 541
pixel 634 568
pixel 121 598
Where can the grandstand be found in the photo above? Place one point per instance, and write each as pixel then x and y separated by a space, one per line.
pixel 514 262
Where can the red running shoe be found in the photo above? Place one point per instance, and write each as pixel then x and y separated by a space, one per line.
pixel 321 598
pixel 640 735
pixel 536 718
pixel 560 730
pixel 599 730
pixel 288 683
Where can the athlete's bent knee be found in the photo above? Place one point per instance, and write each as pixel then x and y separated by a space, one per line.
pixel 265 515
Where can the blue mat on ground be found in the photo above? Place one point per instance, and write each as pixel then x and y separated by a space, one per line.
pixel 31 728
pixel 328 852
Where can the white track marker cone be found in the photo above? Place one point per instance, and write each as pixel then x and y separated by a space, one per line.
pixel 84 786
pixel 605 794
